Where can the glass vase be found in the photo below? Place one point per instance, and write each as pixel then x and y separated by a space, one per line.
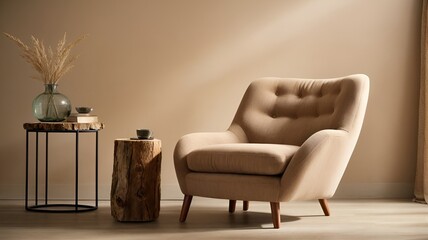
pixel 51 106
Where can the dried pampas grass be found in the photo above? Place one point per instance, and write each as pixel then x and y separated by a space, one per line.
pixel 49 64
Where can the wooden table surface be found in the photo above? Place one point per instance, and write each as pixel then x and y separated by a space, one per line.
pixel 63 126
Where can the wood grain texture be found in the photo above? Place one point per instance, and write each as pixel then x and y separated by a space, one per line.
pixel 62 126
pixel 276 214
pixel 135 189
pixel 245 205
pixel 185 208
pixel 232 206
pixel 324 206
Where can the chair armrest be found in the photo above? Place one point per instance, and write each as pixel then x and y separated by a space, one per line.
pixel 316 169
pixel 190 142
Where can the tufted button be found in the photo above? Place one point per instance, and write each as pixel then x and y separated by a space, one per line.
pixel 338 90
pixel 274 115
pixel 277 92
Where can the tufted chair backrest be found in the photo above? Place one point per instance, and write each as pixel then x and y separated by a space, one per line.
pixel 289 111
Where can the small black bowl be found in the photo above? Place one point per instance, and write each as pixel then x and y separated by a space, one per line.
pixel 84 110
pixel 144 133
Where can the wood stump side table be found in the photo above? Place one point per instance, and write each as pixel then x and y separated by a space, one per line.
pixel 135 189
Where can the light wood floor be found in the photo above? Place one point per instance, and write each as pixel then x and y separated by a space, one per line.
pixel 209 219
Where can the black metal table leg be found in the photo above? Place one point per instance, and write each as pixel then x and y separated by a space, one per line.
pixel 77 172
pixel 46 170
pixel 37 168
pixel 96 169
pixel 58 208
pixel 26 170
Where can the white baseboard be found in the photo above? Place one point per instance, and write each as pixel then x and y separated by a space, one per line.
pixel 172 191
pixel 66 192
pixel 374 190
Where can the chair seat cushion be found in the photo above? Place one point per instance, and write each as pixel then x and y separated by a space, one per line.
pixel 242 158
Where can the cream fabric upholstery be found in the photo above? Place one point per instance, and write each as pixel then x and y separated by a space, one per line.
pixel 290 139
pixel 242 158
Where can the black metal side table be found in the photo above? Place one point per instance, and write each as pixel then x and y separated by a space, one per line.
pixel 62 127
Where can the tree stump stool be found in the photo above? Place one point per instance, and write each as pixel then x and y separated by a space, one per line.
pixel 135 188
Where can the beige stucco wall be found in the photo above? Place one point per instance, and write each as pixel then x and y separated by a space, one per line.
pixel 182 66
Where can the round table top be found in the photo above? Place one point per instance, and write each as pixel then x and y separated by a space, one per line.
pixel 134 139
pixel 63 126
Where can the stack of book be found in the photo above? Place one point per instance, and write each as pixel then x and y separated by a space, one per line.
pixel 82 118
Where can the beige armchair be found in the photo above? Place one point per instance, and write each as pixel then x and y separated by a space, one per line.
pixel 291 139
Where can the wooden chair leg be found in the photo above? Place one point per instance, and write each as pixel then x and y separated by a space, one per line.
pixel 232 206
pixel 185 208
pixel 276 215
pixel 245 205
pixel 324 206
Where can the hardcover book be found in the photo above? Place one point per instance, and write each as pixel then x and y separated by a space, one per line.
pixel 82 118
